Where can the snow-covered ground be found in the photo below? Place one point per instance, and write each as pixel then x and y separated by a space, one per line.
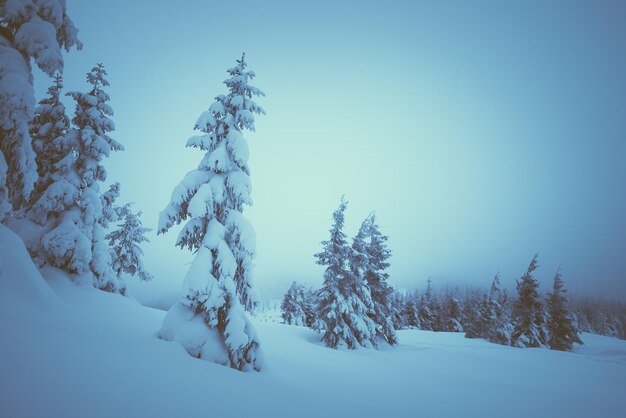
pixel 70 351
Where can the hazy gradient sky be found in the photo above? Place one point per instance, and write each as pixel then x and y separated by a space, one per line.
pixel 480 132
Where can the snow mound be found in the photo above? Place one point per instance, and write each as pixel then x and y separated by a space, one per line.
pixel 21 284
pixel 190 331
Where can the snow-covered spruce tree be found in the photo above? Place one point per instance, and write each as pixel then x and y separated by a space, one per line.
pixel 211 199
pixel 71 208
pixel 411 317
pixel 426 311
pixel 124 242
pixel 470 313
pixel 310 303
pixel 294 306
pixel 528 317
pixel 344 300
pixel 375 274
pixel 478 322
pixel 47 128
pixel 562 332
pixel 499 328
pixel 400 316
pixel 451 314
pixel 37 29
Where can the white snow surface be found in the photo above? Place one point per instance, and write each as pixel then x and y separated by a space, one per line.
pixel 74 351
pixel 21 284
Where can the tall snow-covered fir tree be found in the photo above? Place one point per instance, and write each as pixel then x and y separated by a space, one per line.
pixel 71 208
pixel 344 301
pixel 125 241
pixel 211 199
pixel 375 273
pixel 29 29
pixel 562 332
pixel 529 328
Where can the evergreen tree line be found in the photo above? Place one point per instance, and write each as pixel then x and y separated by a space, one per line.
pixel 356 307
pixel 600 316
pixel 492 314
pixel 521 321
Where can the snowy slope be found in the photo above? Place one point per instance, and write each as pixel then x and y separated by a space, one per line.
pixel 86 353
pixel 20 281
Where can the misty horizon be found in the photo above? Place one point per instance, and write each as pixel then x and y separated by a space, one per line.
pixel 479 134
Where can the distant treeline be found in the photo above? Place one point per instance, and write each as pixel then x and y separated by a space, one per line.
pixel 596 315
pixel 356 306
pixel 600 316
pixel 452 309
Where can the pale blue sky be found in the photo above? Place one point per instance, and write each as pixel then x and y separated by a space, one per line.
pixel 480 132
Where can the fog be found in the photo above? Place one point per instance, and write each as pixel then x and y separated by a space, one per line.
pixel 480 133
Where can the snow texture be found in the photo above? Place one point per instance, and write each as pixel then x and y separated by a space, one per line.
pixel 60 329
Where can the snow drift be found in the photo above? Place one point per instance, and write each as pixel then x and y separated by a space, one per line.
pixel 75 351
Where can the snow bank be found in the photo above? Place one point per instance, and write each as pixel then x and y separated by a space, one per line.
pixel 190 331
pixel 22 288
pixel 100 357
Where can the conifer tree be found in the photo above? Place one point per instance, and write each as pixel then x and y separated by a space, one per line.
pixel 47 129
pixel 71 208
pixel 452 314
pixel 425 309
pixel 377 278
pixel 499 330
pixel 294 306
pixel 480 320
pixel 400 315
pixel 28 30
pixel 471 314
pixel 124 242
pixel 344 300
pixel 411 313
pixel 562 332
pixel 310 303
pixel 211 199
pixel 369 264
pixel 528 316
